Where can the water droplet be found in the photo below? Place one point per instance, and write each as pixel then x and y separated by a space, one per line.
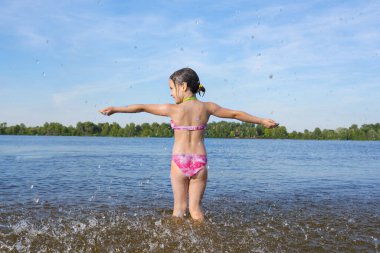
pixel 43 74
pixel 197 22
pixel 92 222
pixel 36 200
pixel 99 164
pixel 31 187
pixel 179 214
pixel 37 61
pixel 271 76
pixel 158 223
pixel 375 240
pixel 254 231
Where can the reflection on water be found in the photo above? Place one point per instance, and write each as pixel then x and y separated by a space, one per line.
pixel 72 194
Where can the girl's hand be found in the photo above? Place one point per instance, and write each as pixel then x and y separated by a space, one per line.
pixel 107 111
pixel 269 123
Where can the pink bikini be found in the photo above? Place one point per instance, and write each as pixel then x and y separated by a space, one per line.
pixel 189 164
pixel 189 128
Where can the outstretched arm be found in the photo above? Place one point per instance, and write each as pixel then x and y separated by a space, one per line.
pixel 157 109
pixel 221 112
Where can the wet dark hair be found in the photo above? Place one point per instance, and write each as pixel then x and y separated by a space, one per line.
pixel 189 76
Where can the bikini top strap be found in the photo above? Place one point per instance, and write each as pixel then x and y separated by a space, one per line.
pixel 188 128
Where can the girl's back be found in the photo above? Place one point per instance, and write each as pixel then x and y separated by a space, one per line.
pixel 190 113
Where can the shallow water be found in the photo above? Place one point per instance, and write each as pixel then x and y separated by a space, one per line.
pixel 93 194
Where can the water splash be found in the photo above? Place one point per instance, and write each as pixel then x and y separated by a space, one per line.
pixel 125 228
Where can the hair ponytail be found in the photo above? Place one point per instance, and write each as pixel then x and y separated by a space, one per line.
pixel 201 90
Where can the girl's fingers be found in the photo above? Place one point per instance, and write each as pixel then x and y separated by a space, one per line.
pixel 104 112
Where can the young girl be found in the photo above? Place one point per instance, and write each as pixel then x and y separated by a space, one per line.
pixel 189 118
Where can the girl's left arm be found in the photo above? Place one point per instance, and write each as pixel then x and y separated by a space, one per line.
pixel 156 109
pixel 221 112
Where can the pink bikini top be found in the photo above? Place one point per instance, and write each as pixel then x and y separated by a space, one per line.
pixel 189 128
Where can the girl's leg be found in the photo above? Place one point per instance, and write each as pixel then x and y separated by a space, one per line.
pixel 180 186
pixel 196 189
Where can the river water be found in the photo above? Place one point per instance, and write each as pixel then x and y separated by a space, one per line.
pixel 100 194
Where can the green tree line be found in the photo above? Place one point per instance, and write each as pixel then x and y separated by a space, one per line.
pixel 220 129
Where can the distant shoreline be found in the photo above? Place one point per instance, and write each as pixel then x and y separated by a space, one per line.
pixel 155 137
pixel 222 129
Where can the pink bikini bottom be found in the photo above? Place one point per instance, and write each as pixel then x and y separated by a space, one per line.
pixel 190 164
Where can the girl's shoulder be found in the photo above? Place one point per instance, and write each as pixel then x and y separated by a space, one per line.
pixel 211 106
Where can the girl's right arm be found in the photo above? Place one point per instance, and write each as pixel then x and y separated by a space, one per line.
pixel 156 109
pixel 221 112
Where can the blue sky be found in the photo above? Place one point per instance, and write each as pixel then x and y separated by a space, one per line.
pixel 305 64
